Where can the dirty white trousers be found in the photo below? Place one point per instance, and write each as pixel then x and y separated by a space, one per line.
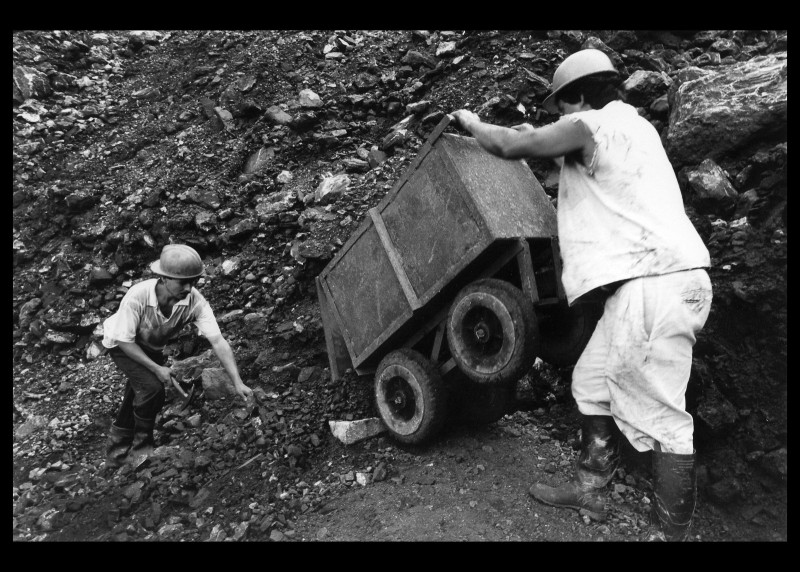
pixel 637 363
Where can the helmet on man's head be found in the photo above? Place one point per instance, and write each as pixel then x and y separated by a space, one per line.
pixel 178 261
pixel 574 67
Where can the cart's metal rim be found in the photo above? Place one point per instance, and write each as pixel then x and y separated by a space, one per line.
pixel 486 300
pixel 399 426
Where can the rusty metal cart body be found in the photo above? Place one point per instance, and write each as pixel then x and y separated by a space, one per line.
pixel 447 287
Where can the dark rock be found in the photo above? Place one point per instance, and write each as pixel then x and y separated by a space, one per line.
pixel 27 311
pixel 376 157
pixel 394 139
pixel 205 197
pixel 139 38
pixel 642 87
pixel 595 43
pixel 278 116
pixel 724 492
pixel 621 39
pixel 352 165
pixel 255 323
pixel 304 121
pixel 725 47
pixel 775 463
pixel 242 230
pixel 225 117
pixel 715 411
pixel 365 81
pixel 307 373
pixel 259 160
pixel 416 59
pixel 711 186
pixel 30 83
pixel 309 99
pixel 151 93
pixel 660 107
pixel 81 200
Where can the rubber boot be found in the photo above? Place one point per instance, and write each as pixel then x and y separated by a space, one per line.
pixel 143 439
pixel 117 446
pixel 596 464
pixel 675 492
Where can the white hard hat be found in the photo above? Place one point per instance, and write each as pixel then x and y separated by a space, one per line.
pixel 178 261
pixel 577 66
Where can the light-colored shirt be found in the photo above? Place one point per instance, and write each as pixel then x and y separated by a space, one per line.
pixel 622 216
pixel 139 319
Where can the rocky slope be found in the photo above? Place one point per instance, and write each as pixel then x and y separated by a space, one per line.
pixel 264 150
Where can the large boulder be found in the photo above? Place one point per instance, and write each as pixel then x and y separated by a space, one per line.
pixel 723 112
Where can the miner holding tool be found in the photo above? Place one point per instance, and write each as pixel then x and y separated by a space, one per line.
pixel 624 236
pixel 150 313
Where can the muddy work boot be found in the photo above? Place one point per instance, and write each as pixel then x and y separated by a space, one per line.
pixel 117 446
pixel 143 439
pixel 596 464
pixel 675 492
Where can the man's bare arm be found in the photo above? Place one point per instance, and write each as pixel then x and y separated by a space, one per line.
pixel 551 141
pixel 223 351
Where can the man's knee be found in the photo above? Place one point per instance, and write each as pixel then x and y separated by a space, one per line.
pixel 151 395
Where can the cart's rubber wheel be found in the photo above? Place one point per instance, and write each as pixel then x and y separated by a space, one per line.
pixel 410 396
pixel 565 331
pixel 479 403
pixel 492 331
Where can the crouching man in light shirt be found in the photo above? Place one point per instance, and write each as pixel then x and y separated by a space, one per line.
pixel 151 313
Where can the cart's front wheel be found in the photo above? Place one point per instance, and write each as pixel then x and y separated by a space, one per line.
pixel 410 396
pixel 492 331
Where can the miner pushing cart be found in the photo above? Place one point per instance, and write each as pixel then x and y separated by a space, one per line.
pixel 450 289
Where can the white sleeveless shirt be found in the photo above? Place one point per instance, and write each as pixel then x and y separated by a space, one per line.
pixel 622 216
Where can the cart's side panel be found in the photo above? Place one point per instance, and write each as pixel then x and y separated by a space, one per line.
pixel 338 357
pixel 426 148
pixel 511 201
pixel 394 259
pixel 366 292
pixel 432 227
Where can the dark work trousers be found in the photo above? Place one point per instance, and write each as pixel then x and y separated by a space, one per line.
pixel 144 393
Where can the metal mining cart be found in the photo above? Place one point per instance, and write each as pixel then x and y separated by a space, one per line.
pixel 450 289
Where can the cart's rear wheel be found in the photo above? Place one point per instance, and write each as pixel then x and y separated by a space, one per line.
pixel 565 331
pixel 492 331
pixel 410 396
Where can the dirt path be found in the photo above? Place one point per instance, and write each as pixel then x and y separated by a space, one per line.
pixel 472 486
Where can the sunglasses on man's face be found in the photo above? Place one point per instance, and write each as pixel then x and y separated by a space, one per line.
pixel 188 281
